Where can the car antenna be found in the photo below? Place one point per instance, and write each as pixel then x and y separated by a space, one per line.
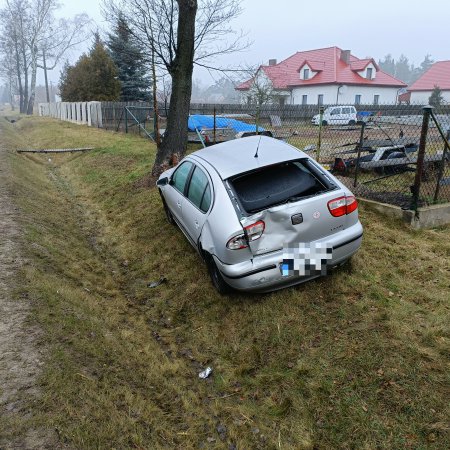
pixel 257 147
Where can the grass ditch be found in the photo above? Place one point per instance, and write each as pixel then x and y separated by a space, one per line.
pixel 354 360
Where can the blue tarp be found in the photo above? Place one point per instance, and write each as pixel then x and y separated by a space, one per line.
pixel 201 122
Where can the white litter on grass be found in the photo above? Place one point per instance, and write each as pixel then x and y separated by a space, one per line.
pixel 205 373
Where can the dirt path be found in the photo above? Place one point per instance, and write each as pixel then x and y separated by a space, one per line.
pixel 20 360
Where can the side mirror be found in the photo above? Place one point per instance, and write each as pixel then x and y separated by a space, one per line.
pixel 162 181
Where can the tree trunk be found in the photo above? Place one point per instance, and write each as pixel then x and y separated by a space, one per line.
pixel 19 75
pixel 11 95
pixel 32 85
pixel 45 76
pixel 173 146
pixel 23 106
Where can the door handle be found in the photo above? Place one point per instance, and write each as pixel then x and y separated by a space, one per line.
pixel 179 204
pixel 196 224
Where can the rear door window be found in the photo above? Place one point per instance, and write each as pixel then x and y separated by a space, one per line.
pixel 199 192
pixel 180 176
pixel 346 111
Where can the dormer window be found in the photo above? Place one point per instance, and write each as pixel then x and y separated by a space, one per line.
pixel 369 73
pixel 306 74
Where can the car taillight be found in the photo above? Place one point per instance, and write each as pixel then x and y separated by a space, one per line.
pixel 255 230
pixel 342 205
pixel 352 204
pixel 251 233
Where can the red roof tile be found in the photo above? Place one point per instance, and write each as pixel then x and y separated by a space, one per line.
pixel 333 71
pixel 361 64
pixel 316 66
pixel 437 75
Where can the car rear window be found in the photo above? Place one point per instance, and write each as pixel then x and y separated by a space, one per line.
pixel 276 184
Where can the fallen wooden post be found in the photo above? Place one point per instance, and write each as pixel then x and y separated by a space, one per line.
pixel 56 150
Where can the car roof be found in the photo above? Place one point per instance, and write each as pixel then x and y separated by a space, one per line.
pixel 238 155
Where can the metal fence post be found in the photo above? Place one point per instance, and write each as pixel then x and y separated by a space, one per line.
pixel 126 119
pixel 420 157
pixel 360 145
pixel 319 139
pixel 214 140
pixel 441 169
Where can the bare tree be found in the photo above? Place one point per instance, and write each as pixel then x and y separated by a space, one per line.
pixel 13 41
pixel 30 31
pixel 58 39
pixel 180 34
pixel 261 88
pixel 8 73
pixel 49 38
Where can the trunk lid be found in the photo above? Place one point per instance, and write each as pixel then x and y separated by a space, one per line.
pixel 302 221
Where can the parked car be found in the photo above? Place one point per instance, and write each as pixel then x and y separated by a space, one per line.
pixel 337 115
pixel 262 214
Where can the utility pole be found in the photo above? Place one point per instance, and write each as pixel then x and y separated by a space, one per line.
pixel 45 76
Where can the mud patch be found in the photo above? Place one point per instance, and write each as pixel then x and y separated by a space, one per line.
pixel 20 359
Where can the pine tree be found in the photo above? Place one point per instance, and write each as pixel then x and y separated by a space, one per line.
pixel 128 57
pixel 93 77
pixel 424 66
pixel 403 69
pixel 436 98
pixel 387 64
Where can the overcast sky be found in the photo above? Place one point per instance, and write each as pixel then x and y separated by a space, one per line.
pixel 368 28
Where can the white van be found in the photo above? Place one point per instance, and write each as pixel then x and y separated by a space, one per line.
pixel 337 115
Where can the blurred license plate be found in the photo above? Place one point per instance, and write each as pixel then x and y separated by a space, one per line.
pixel 306 259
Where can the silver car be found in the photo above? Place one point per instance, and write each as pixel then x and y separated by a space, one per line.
pixel 262 214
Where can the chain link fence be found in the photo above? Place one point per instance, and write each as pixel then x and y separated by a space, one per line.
pixel 396 154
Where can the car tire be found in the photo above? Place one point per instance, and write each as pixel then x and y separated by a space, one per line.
pixel 169 215
pixel 352 122
pixel 324 123
pixel 216 277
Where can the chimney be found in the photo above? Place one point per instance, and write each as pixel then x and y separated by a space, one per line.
pixel 272 62
pixel 345 56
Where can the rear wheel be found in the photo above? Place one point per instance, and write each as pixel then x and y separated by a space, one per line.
pixel 216 277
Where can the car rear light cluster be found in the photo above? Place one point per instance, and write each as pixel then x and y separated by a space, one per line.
pixel 342 205
pixel 251 233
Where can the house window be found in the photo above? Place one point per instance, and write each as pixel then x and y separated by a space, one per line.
pixel 306 74
pixel 357 99
pixel 304 99
pixel 369 73
pixel 376 99
pixel 320 99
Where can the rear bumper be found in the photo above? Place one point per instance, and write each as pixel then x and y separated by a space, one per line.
pixel 263 274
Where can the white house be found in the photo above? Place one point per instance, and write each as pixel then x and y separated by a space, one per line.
pixel 437 75
pixel 325 76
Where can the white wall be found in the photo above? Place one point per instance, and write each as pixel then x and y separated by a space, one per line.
pixel 347 94
pixel 421 97
pixel 312 74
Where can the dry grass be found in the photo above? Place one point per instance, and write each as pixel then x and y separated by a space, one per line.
pixel 354 360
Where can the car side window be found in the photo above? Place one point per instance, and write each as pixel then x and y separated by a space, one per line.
pixel 206 201
pixel 346 111
pixel 180 176
pixel 336 111
pixel 199 192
